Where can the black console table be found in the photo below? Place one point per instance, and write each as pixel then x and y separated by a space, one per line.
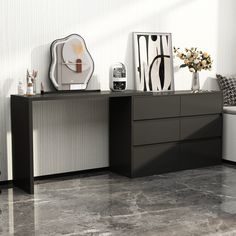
pixel 149 133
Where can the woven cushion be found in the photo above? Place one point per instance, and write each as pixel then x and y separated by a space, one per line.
pixel 228 87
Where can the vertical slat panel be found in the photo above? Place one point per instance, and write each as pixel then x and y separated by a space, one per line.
pixel 70 135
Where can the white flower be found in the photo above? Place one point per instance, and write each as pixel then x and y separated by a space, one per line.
pixel 188 54
pixel 186 61
pixel 191 70
pixel 204 62
pixel 196 61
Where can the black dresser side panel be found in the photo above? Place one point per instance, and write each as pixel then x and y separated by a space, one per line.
pixel 22 143
pixel 120 135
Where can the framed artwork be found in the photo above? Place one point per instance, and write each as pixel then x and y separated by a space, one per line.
pixel 153 61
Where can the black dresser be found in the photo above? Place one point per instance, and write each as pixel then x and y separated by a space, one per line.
pixel 165 132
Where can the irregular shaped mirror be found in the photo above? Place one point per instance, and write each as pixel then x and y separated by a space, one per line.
pixel 71 63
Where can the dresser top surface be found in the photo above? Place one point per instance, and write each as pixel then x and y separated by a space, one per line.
pixel 92 94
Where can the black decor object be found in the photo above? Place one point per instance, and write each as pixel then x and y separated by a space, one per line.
pixel 149 133
pixel 153 61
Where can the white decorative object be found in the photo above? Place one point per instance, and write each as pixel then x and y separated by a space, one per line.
pixel 20 88
pixel 118 77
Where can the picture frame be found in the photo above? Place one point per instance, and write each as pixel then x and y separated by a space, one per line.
pixel 153 59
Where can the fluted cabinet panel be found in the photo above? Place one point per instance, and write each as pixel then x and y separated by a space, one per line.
pixel 70 135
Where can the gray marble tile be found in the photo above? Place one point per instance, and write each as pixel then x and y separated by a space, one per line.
pixel 193 202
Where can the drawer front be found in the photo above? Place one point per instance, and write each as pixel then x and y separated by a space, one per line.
pixel 198 104
pixel 155 107
pixel 195 154
pixel 155 159
pixel 201 127
pixel 156 131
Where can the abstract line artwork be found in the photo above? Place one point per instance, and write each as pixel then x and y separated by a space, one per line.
pixel 153 61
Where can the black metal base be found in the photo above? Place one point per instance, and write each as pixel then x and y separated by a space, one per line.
pixel 72 91
pixel 229 162
pixel 69 175
pixel 6 184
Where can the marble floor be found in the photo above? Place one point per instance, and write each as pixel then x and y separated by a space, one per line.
pixel 193 202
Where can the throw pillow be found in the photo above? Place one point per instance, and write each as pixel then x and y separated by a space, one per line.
pixel 228 87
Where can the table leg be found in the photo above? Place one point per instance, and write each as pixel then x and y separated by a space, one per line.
pixel 22 143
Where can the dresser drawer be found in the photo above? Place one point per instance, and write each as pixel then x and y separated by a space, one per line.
pixel 201 103
pixel 155 107
pixel 195 154
pixel 156 131
pixel 200 127
pixel 155 159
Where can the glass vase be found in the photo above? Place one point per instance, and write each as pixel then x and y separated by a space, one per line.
pixel 195 82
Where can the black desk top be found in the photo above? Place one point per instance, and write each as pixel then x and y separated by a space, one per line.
pixel 91 94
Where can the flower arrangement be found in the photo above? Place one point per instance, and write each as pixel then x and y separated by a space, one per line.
pixel 31 82
pixel 193 59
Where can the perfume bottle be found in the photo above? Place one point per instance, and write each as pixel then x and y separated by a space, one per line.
pixel 20 88
pixel 30 89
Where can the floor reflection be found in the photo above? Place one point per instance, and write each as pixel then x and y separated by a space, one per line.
pixel 228 191
pixel 17 213
pixel 194 202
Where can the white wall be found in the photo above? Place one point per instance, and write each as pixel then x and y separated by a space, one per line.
pixel 29 26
